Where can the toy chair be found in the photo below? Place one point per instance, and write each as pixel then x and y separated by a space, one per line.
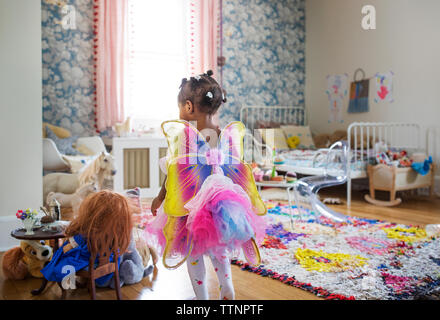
pixel 103 268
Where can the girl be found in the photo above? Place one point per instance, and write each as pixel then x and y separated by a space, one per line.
pixel 209 204
pixel 103 221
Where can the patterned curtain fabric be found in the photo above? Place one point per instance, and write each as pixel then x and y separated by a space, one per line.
pixel 204 35
pixel 111 20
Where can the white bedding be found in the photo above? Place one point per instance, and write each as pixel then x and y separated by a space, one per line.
pixel 312 162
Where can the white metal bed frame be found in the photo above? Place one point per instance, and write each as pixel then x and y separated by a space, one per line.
pixel 250 115
pixel 396 135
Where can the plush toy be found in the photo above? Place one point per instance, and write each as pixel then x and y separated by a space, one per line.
pixel 382 158
pixel 27 259
pixel 338 135
pixel 146 252
pixel 258 174
pixel 398 159
pixel 293 142
pixel 321 140
pixel 131 269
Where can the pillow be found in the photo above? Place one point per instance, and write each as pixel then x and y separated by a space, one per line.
pixel 303 133
pixel 82 149
pixel 60 132
pixel 64 146
pixel 274 137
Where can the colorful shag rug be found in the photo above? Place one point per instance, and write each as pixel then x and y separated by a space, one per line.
pixel 359 259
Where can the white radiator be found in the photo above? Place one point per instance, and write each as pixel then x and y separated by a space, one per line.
pixel 137 164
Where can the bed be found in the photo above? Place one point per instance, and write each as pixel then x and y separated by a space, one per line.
pixel 361 138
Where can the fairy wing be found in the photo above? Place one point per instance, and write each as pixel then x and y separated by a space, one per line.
pixel 185 175
pixel 231 140
pixel 178 242
pixel 231 144
pixel 183 138
pixel 186 170
pixel 240 173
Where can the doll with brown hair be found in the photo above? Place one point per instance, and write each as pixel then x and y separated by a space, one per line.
pixel 103 221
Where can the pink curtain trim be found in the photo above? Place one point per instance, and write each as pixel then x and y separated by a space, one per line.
pixel 204 36
pixel 111 39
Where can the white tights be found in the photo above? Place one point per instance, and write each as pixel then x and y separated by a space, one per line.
pixel 197 274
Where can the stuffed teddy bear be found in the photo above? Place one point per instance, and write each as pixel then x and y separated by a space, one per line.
pixel 338 135
pixel 321 140
pixel 131 268
pixel 27 259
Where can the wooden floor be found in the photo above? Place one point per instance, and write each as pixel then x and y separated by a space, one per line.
pixel 175 284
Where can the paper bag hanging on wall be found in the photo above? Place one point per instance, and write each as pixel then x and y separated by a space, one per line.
pixel 359 91
pixel 336 91
pixel 384 87
pixel 359 96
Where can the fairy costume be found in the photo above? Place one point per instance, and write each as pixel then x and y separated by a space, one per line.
pixel 212 205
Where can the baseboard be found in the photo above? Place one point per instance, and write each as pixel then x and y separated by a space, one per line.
pixel 7 224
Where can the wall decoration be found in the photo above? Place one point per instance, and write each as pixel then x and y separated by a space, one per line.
pixel 359 91
pixel 384 87
pixel 264 47
pixel 336 91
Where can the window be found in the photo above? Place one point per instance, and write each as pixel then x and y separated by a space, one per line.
pixel 156 63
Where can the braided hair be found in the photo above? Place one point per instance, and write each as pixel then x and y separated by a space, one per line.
pixel 203 91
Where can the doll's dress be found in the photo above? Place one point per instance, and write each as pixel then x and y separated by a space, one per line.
pixel 78 257
pixel 212 205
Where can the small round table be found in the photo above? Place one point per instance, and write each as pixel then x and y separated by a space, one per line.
pixel 289 186
pixel 286 185
pixel 39 234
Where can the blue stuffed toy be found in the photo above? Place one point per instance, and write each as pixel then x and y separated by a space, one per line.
pixel 131 268
pixel 422 167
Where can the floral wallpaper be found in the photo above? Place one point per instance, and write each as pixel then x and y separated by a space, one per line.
pixel 264 47
pixel 68 67
pixel 263 42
